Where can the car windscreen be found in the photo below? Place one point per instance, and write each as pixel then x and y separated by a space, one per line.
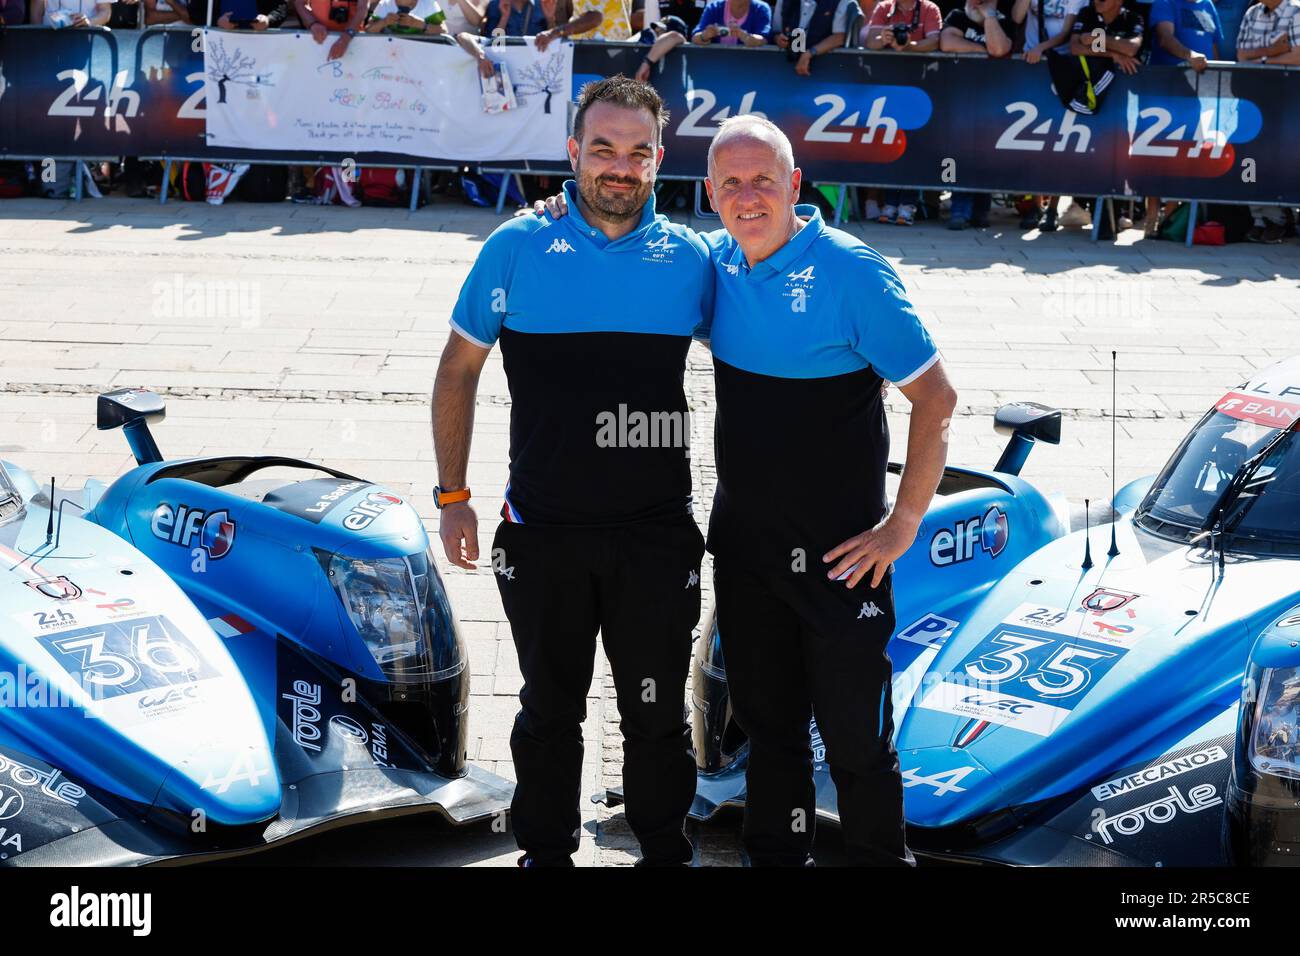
pixel 11 502
pixel 1191 484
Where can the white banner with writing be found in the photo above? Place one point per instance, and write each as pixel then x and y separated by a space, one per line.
pixel 386 94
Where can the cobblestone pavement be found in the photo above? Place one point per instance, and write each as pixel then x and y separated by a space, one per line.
pixel 315 332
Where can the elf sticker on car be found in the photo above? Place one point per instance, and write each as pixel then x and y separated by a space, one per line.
pixel 1026 678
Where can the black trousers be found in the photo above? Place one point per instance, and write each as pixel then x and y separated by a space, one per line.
pixel 639 586
pixel 795 646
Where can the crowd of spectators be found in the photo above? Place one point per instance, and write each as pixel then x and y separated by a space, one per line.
pixel 1050 34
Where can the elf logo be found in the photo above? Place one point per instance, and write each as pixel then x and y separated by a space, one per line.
pixel 368 509
pixel 215 531
pixel 990 531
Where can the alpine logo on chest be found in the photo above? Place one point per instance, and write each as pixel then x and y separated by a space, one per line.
pixel 660 250
pixel 799 288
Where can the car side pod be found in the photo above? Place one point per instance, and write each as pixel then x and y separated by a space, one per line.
pixel 1025 423
pixel 132 409
pixel 1262 822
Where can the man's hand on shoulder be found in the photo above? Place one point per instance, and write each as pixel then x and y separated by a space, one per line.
pixel 557 206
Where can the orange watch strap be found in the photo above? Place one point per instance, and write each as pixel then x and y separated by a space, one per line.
pixel 451 497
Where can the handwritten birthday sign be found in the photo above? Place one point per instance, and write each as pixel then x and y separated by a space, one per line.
pixel 387 94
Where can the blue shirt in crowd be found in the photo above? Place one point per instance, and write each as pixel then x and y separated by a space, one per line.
pixel 527 22
pixel 1196 25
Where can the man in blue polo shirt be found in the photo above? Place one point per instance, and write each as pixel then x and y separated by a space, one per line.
pixel 597 533
pixel 807 323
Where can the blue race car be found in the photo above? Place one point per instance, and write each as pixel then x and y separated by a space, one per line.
pixel 221 654
pixel 1062 701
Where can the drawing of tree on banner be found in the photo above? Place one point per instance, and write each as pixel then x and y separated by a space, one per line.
pixel 546 77
pixel 234 67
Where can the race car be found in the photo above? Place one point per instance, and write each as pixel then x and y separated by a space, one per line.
pixel 1122 694
pixel 221 654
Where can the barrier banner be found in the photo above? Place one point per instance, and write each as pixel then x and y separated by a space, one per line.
pixel 281 92
pixel 928 121
pixel 958 122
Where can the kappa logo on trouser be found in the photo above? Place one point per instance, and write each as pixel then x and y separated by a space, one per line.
pixel 869 610
pixel 692 579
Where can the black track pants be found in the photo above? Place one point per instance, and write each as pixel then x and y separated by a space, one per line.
pixel 795 645
pixel 639 586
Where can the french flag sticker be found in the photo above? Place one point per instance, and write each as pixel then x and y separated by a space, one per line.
pixel 230 625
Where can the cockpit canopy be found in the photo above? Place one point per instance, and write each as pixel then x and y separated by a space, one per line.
pixel 1261 516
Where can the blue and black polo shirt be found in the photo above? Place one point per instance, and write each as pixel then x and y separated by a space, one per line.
pixel 594 335
pixel 801 343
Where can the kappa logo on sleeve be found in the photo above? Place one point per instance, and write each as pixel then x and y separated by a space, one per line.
pixel 560 245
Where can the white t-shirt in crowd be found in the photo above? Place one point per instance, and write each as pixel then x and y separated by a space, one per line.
pixel 67 8
pixel 1054 14
pixel 456 21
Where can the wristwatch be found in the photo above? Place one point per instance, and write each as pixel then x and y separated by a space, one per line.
pixel 442 497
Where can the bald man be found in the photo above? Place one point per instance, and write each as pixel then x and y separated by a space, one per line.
pixel 808 324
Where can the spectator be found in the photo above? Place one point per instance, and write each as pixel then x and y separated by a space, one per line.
pixel 1270 34
pixel 463 16
pixel 76 13
pixel 669 33
pixel 414 17
pixel 517 18
pixel 13 13
pixel 688 11
pixel 158 12
pixel 904 26
pixel 1230 14
pixel 601 20
pixel 734 22
pixel 125 15
pixel 547 20
pixel 237 14
pixel 867 8
pixel 1186 31
pixel 323 17
pixel 809 28
pixel 975 28
pixel 568 22
pixel 1121 31
pixel 1048 24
